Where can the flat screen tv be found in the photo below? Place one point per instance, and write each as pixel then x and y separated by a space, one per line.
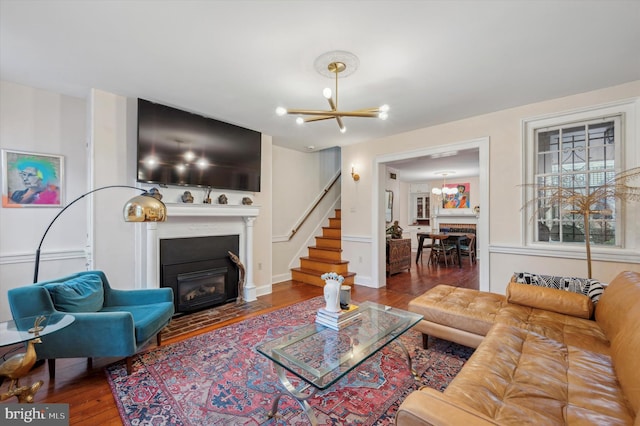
pixel 177 147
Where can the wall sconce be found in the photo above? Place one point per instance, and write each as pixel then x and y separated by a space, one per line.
pixel 354 174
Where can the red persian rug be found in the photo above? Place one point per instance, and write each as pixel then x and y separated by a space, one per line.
pixel 218 378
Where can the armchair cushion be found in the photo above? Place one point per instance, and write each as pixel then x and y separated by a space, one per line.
pixel 147 319
pixel 82 294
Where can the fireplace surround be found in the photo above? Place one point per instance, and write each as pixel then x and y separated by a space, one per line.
pixel 199 271
pixel 194 221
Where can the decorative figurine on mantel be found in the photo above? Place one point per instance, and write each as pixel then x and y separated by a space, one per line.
pixel 395 231
pixel 187 197
pixel 155 193
pixel 222 199
pixel 247 201
pixel 207 193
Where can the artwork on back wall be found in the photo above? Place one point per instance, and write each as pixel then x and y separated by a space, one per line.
pixel 31 179
pixel 459 200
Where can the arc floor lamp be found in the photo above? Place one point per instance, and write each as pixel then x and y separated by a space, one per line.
pixel 141 208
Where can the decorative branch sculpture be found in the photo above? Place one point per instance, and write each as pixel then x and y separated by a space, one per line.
pixel 583 202
pixel 235 259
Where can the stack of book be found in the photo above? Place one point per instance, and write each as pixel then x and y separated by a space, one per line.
pixel 337 320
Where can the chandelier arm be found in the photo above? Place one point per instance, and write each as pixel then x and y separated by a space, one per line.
pixel 340 124
pixel 332 113
pixel 331 104
pixel 318 118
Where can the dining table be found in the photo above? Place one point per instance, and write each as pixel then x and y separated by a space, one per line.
pixel 458 237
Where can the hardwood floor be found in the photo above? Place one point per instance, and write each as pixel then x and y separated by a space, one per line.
pixel 87 391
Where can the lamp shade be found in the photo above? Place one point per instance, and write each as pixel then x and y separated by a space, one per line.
pixel 144 208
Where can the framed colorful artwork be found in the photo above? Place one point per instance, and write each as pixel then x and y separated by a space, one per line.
pixel 32 179
pixel 459 200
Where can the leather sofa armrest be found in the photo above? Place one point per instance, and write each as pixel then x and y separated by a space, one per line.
pixel 427 406
pixel 550 299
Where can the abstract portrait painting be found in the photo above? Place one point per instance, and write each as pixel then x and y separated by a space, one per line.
pixel 31 179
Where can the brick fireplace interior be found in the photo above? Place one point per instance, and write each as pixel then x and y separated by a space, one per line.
pixel 199 271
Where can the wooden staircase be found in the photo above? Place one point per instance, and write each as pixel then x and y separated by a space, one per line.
pixel 325 256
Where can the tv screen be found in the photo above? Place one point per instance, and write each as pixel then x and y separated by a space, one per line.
pixel 177 147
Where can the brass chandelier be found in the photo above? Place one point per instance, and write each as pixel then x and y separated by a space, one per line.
pixel 335 67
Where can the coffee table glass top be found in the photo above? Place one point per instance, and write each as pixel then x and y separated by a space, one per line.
pixel 321 356
pixel 21 330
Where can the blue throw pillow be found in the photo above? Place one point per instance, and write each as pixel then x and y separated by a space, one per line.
pixel 82 294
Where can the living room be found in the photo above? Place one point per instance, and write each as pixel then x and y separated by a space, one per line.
pixel 93 127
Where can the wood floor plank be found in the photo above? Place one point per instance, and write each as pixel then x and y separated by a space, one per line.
pixel 87 390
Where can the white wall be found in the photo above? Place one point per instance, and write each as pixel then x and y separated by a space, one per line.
pixel 36 120
pixel 301 178
pixel 504 130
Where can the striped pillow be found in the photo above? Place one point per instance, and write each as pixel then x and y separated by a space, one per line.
pixel 589 287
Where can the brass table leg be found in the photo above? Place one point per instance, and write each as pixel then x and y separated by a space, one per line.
pixel 406 352
pixel 297 393
pixel 23 393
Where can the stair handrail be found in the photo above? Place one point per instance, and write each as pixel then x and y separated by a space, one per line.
pixel 326 189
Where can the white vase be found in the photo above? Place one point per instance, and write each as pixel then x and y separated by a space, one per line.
pixel 332 295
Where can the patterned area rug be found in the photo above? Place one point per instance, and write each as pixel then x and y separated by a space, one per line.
pixel 218 378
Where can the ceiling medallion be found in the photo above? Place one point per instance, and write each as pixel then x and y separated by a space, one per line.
pixel 333 65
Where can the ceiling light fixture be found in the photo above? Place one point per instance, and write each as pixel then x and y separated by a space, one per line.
pixel 344 63
pixel 444 190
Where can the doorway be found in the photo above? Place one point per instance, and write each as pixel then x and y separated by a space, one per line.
pixel 378 214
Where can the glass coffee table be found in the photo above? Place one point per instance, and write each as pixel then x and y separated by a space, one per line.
pixel 320 356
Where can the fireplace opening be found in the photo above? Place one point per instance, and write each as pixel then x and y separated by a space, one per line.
pixel 201 289
pixel 200 271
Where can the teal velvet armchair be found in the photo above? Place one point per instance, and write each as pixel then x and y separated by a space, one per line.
pixel 108 322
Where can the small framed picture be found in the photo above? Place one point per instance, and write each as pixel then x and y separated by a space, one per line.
pixel 32 179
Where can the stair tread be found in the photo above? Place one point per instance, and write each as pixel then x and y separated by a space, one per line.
pixel 325 248
pixel 321 260
pixel 329 237
pixel 313 272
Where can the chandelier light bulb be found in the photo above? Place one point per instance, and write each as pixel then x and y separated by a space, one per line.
pixel 189 156
pixel 384 108
pixel 383 115
pixel 202 163
pixel 281 111
pixel 436 191
pixel 327 93
pixel 300 120
pixel 343 129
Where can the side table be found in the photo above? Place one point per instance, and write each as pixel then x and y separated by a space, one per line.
pixel 29 330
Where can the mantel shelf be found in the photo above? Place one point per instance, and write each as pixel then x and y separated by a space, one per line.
pixel 211 210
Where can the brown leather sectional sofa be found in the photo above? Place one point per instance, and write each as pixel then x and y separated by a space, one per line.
pixel 543 357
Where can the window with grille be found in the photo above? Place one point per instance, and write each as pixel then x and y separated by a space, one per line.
pixel 580 156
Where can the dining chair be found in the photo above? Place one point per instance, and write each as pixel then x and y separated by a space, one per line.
pixel 468 248
pixel 439 248
pixel 423 247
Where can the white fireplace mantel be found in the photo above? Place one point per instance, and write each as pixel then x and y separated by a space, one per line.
pixel 211 210
pixel 223 216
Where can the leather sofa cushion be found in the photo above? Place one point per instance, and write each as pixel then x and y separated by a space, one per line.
pixel 550 299
pixel 465 309
pixel 518 376
pixel 618 314
pixel 81 294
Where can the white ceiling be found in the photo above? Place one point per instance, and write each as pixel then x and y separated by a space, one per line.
pixel 236 61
